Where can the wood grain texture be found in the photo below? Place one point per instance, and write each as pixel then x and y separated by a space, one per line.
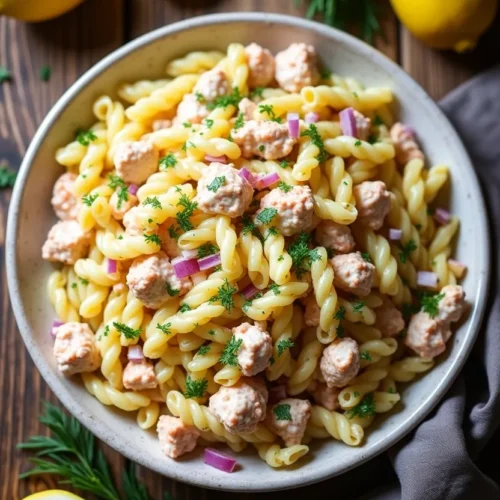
pixel 70 45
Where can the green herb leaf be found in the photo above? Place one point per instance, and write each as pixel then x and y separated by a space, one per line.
pixel 429 303
pixel 257 92
pixel 266 215
pixel 377 121
pixel 172 232
pixel 275 288
pixel 314 135
pixel 204 349
pixel 282 412
pixel 404 255
pixel 205 250
pixel 286 188
pixel 88 199
pixel 301 254
pixel 164 328
pixel 282 345
pixel 85 137
pixel 188 209
pixel 199 96
pixel 357 143
pixel 224 101
pixel 340 313
pixel 153 201
pixel 225 296
pixel 366 256
pixel 365 408
pixel 45 73
pixel 184 308
pixel 229 355
pixel 152 238
pixel 358 307
pixel 365 355
pixel 171 291
pixel 5 74
pixel 127 331
pixel 195 388
pixel 7 176
pixel 284 163
pixel 240 121
pixel 269 110
pixel 168 161
pixel 118 183
pixel 216 184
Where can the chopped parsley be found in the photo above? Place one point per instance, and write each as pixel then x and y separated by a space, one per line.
pixel 187 125
pixel 205 250
pixel 262 148
pixel 233 99
pixel 284 344
pixel 355 94
pixel 269 110
pixel 286 188
pixel 168 161
pixel 184 308
pixel 211 332
pixel 274 288
pixel 340 331
pixel 199 96
pixel 172 232
pixel 5 74
pixel 408 310
pixel 229 355
pixel 325 74
pixel 356 394
pixel 164 328
pixel 284 163
pixel 74 284
pixel 257 92
pixel 45 73
pixel 314 135
pixel 377 121
pixel 106 331
pixel 365 355
pixel 357 143
pixel 339 313
pixel 116 182
pixel 429 303
pixel 204 349
pixel 282 412
pixel 209 122
pixel 152 238
pixel 404 255
pixel 301 254
pixel 217 183
pixel 248 225
pixel 153 201
pixel 171 291
pixel 127 331
pixel 281 258
pixel 88 199
pixel 195 388
pixel 366 256
pixel 225 295
pixel 358 307
pixel 184 215
pixel 7 176
pixel 365 408
pixel 266 215
pixel 372 139
pixel 85 137
pixel 240 121
pixel 84 281
pixel 431 211
pixel 391 390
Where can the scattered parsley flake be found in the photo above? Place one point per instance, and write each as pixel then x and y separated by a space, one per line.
pixel 85 137
pixel 257 92
pixel 209 122
pixel 184 308
pixel 281 258
pixel 391 390
pixel 429 303
pixel 83 281
pixel 325 74
pixel 152 238
pixel 373 139
pixel 195 388
pixel 229 355
pixel 240 121
pixel 199 96
pixel 205 250
pixel 172 232
pixel 355 94
pixel 5 74
pixel 262 148
pixel 225 295
pixel 365 408
pixel 301 254
pixel 282 412
pixel 127 331
pixel 365 355
pixel 271 361
pixel 120 237
pixel 266 215
pixel 106 331
pixel 284 163
pixel 211 332
pixel 224 101
pixel 269 110
pixel 314 135
pixel 345 183
pixel 284 344
pixel 404 255
pixel 356 394
pixel 164 328
pixel 340 331
pixel 7 176
pixel 74 284
pixel 358 307
pixel 274 288
pixel 183 216
pixel 153 201
pixel 340 313
pixel 286 188
pixel 204 349
pixel 357 143
pixel 431 211
pixel 377 121
pixel 216 184
pixel 171 291
pixel 187 125
pixel 168 161
pixel 45 73
pixel 116 182
pixel 248 225
pixel 366 256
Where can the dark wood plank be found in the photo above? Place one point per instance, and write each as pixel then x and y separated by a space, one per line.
pixel 70 45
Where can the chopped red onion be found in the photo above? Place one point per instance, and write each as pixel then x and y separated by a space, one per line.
pixel 427 278
pixel 348 122
pixel 442 215
pixel 219 460
pixel 133 188
pixel 409 130
pixel 277 393
pixel 185 267
pixel 112 268
pixel 311 117
pixel 55 324
pixel 293 125
pixel 247 175
pixel 209 261
pixel 267 180
pixel 249 291
pixel 395 234
pixel 216 159
pixel 190 254
pixel 135 353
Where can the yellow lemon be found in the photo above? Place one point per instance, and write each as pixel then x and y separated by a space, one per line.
pixel 36 10
pixel 53 495
pixel 447 24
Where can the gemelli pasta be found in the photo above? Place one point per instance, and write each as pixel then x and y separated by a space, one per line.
pixel 251 252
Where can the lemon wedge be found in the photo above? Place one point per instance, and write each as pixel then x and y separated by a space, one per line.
pixel 36 10
pixel 53 495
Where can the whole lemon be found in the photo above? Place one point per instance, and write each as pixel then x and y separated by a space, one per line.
pixel 447 24
pixel 36 10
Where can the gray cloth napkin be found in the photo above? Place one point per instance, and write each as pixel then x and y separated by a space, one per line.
pixel 439 460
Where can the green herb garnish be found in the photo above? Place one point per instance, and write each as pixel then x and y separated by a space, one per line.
pixel 229 355
pixel 205 250
pixel 85 137
pixel 195 388
pixel 224 101
pixel 429 303
pixel 153 201
pixel 216 184
pixel 282 412
pixel 164 328
pixel 183 216
pixel 404 255
pixel 266 215
pixel 283 345
pixel 301 254
pixel 269 110
pixel 365 408
pixel 127 331
pixel 88 199
pixel 152 238
pixel 314 135
pixel 7 176
pixel 286 188
pixel 240 121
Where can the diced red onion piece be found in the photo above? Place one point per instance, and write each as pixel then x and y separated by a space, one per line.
pixel 185 267
pixel 112 268
pixel 395 234
pixel 247 175
pixel 216 159
pixel 249 291
pixel 135 353
pixel 409 130
pixel 427 278
pixel 277 393
pixel 133 188
pixel 442 215
pixel 458 268
pixel 190 254
pixel 311 117
pixel 219 460
pixel 293 124
pixel 56 323
pixel 348 122
pixel 267 180
pixel 209 261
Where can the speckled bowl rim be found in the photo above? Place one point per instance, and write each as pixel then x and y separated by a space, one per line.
pixel 277 482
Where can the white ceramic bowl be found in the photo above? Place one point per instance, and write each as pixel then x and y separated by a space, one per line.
pixel 31 216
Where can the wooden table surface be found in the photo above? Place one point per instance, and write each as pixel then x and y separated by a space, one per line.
pixel 70 45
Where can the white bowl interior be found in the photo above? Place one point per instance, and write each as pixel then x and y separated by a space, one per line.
pixel 31 217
